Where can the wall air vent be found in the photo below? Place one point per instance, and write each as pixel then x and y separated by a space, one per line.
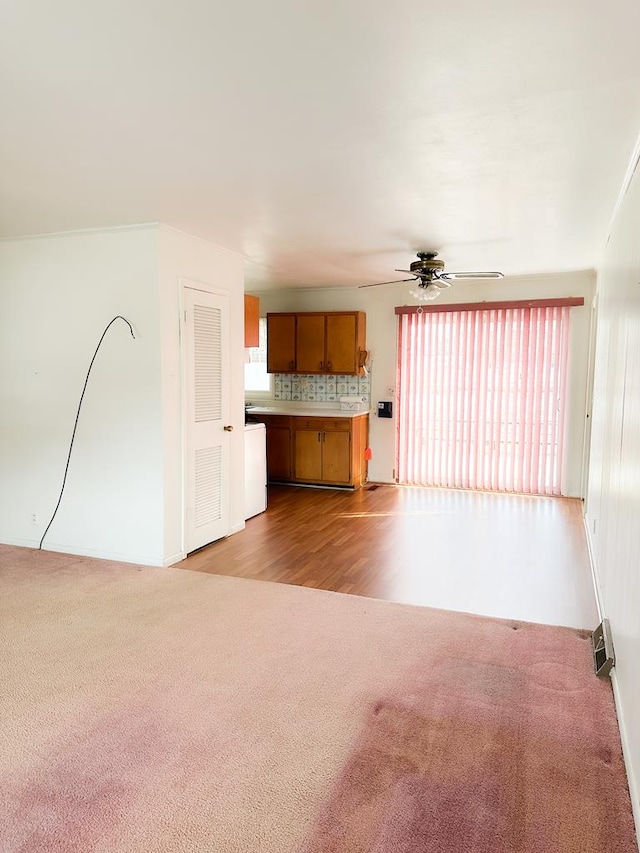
pixel 603 656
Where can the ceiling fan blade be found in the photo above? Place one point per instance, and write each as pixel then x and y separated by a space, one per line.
pixel 379 283
pixel 416 274
pixel 457 276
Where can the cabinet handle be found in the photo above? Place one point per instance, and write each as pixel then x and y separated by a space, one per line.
pixel 324 435
pixel 319 439
pixel 291 365
pixel 328 365
pixel 322 365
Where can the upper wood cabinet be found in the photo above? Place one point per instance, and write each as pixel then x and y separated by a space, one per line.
pixel 310 343
pixel 251 321
pixel 316 342
pixel 281 343
pixel 344 342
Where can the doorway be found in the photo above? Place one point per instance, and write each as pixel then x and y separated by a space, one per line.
pixel 207 407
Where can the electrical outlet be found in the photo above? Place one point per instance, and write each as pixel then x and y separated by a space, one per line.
pixel 391 391
pixel 34 518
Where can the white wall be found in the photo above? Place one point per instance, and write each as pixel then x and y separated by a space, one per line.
pixel 123 497
pixel 189 261
pixel 613 498
pixel 58 294
pixel 379 304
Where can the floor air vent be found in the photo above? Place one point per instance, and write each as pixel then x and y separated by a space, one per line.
pixel 603 656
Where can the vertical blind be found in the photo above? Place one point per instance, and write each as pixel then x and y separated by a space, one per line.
pixel 482 398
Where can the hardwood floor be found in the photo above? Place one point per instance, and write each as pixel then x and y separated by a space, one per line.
pixel 498 555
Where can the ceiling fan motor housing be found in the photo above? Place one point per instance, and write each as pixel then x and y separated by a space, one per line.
pixel 427 266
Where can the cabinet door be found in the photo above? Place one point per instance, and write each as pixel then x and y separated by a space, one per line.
pixel 342 350
pixel 281 343
pixel 310 357
pixel 336 457
pixel 251 321
pixel 278 452
pixel 308 455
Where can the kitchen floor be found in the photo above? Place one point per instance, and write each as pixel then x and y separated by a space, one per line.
pixel 509 556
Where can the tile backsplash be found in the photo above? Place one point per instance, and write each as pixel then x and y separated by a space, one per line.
pixel 320 389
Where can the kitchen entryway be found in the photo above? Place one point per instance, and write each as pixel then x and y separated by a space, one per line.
pixel 510 556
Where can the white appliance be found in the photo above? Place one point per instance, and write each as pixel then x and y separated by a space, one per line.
pixel 255 469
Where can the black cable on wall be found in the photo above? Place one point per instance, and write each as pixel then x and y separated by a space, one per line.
pixel 75 426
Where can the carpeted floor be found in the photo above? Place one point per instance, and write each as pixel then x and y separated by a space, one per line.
pixel 159 710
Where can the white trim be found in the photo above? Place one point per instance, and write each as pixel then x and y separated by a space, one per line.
pixel 80 232
pixel 634 789
pixel 176 558
pixel 83 551
pixel 181 296
pixel 236 528
pixel 588 397
pixel 597 591
pixel 21 543
pixel 196 286
pixel 202 286
pixel 624 189
pixel 163 227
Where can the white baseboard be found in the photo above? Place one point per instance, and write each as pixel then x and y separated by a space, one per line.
pixel 21 543
pixel 98 554
pixel 176 558
pixel 236 528
pixel 634 788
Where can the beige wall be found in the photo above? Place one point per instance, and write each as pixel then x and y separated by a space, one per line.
pixel 379 304
pixel 613 498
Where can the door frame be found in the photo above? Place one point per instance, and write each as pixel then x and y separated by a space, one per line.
pixel 185 284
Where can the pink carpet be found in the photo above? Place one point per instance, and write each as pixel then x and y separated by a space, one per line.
pixel 163 710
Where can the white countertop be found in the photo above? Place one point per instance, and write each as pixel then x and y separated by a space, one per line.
pixel 304 410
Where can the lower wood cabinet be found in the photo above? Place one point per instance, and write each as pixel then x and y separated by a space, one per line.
pixel 322 450
pixel 278 429
pixel 326 451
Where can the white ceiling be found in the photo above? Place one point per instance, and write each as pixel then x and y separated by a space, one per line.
pixel 327 140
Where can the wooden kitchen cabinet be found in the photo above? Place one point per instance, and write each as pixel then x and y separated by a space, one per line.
pixel 278 430
pixel 251 321
pixel 344 342
pixel 307 464
pixel 310 343
pixel 336 457
pixel 330 451
pixel 315 450
pixel 281 343
pixel 316 342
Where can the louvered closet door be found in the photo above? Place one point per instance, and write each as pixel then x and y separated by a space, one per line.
pixel 206 347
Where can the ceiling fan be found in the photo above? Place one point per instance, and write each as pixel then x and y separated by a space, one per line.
pixel 429 272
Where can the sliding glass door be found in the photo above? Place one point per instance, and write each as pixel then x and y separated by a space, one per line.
pixel 482 397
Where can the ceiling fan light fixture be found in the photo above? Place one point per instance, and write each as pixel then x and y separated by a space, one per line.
pixel 426 294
